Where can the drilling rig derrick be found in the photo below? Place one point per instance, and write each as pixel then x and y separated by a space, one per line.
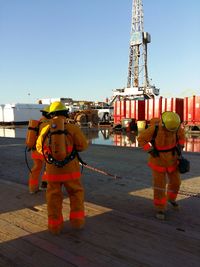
pixel 138 85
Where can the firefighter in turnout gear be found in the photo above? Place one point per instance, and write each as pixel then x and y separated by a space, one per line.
pixel 162 140
pixel 38 159
pixel 60 143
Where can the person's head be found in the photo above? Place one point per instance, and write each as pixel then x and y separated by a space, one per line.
pixel 45 112
pixel 57 108
pixel 171 121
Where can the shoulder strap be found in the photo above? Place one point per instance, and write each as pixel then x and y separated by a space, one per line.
pixel 178 148
pixel 154 135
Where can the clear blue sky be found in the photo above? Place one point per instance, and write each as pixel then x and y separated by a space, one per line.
pixel 79 48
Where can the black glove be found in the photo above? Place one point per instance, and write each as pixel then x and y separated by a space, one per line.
pixel 180 147
pixel 154 153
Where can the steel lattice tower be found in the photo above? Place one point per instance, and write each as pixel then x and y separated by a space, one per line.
pixel 138 86
pixel 137 69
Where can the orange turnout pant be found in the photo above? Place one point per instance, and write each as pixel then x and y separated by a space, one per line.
pixel 163 194
pixel 36 170
pixel 54 198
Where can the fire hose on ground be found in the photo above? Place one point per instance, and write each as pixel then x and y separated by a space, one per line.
pixel 181 192
pixel 82 163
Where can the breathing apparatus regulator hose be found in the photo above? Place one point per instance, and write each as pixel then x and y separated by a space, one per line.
pixel 26 159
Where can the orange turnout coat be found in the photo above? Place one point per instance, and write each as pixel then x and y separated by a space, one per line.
pixel 67 175
pixel 75 139
pixel 164 161
pixel 165 140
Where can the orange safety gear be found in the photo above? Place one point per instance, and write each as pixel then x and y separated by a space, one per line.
pixel 38 162
pixel 164 161
pixel 73 139
pixel 66 174
pixel 58 138
pixel 171 120
pixel 32 133
pixel 57 106
pixel 161 194
pixel 54 204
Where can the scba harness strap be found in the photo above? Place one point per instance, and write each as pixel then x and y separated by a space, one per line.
pixel 60 132
pixel 33 128
pixel 60 163
pixel 157 151
pixel 36 129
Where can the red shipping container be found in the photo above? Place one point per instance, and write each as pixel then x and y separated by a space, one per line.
pixel 128 109
pixel 141 110
pixel 131 109
pixel 153 108
pixel 135 109
pixel 192 110
pixel 119 111
pixel 173 104
pixel 192 144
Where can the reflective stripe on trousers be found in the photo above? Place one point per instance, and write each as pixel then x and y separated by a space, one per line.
pixel 35 174
pixel 54 223
pixel 62 177
pixel 161 168
pixel 76 215
pixel 161 193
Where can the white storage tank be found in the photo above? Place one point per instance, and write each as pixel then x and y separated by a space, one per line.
pixel 1 113
pixel 21 113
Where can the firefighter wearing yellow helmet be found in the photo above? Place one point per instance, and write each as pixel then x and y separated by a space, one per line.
pixel 161 140
pixel 38 159
pixel 60 141
pixel 171 121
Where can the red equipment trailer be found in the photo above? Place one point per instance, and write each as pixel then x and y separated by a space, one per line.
pixel 192 113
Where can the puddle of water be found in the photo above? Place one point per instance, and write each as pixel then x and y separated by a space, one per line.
pixel 104 136
pixel 13 132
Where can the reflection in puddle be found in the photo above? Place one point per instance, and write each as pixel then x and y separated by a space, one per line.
pixel 104 136
pixel 13 132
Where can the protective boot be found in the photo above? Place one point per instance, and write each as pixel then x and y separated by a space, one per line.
pixel 55 230
pixel 77 224
pixel 43 186
pixel 32 192
pixel 160 215
pixel 33 189
pixel 174 204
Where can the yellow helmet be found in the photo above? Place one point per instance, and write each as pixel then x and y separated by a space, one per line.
pixel 171 121
pixel 45 109
pixel 57 106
